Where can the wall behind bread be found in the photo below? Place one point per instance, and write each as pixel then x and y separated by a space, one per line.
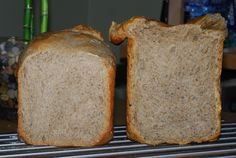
pixel 67 13
pixel 102 12
pixel 11 18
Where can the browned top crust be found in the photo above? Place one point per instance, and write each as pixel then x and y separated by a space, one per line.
pixel 87 30
pixel 80 38
pixel 211 22
pixel 119 32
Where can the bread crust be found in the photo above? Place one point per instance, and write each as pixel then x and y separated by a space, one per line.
pixel 38 46
pixel 108 135
pixel 87 30
pixel 119 32
pixel 211 22
pixel 132 132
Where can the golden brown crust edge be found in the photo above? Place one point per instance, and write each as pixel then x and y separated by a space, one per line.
pixel 117 34
pixel 132 132
pixel 20 130
pixel 109 134
pixel 211 22
pixel 87 30
pixel 44 40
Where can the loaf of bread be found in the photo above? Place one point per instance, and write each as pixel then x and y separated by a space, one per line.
pixel 173 91
pixel 66 88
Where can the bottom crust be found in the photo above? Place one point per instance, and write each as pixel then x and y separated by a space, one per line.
pixel 134 135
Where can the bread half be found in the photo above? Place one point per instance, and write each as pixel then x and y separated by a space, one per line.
pixel 66 88
pixel 173 91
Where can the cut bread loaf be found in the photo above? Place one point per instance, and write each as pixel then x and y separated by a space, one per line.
pixel 66 88
pixel 173 91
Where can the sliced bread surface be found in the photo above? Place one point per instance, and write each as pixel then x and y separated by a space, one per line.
pixel 66 88
pixel 173 89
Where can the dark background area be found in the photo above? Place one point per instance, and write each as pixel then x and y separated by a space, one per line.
pixel 67 13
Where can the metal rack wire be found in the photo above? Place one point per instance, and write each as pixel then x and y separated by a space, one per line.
pixel 120 146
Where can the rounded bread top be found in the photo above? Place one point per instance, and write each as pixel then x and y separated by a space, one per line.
pixel 79 39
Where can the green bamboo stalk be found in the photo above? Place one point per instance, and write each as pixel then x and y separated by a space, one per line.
pixel 44 16
pixel 27 20
pixel 32 27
